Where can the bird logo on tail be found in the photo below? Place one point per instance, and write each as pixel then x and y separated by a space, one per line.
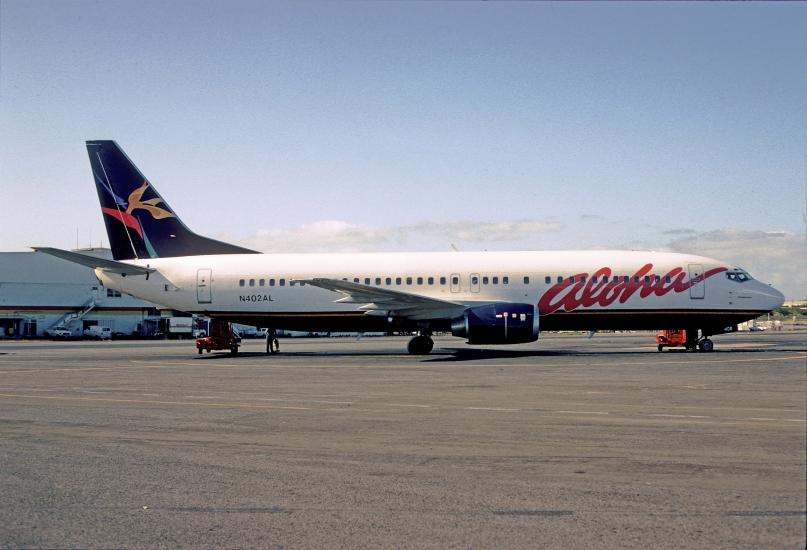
pixel 136 202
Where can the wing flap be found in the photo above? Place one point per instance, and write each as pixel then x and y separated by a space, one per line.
pixel 385 301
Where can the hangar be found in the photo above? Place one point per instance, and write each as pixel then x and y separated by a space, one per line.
pixel 38 292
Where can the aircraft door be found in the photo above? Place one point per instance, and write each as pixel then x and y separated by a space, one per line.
pixel 204 281
pixel 697 289
pixel 474 282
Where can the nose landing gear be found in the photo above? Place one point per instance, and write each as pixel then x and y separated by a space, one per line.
pixel 706 345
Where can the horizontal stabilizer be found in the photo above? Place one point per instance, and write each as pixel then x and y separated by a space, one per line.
pixel 95 263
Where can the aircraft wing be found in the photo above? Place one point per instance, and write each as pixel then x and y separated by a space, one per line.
pixel 95 263
pixel 385 301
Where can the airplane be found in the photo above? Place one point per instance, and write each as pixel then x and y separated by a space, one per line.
pixel 484 297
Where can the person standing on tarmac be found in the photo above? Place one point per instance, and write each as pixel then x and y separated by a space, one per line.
pixel 272 345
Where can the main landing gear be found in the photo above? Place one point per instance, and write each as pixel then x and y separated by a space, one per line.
pixel 420 345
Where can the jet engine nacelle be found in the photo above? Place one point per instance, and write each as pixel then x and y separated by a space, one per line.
pixel 498 324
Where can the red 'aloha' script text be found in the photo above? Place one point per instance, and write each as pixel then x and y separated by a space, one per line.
pixel 585 292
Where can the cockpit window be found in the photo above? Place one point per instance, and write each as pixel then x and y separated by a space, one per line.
pixel 738 275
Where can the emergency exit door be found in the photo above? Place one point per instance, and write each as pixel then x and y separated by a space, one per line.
pixel 204 278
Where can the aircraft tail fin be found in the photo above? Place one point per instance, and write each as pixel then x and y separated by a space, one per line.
pixel 139 223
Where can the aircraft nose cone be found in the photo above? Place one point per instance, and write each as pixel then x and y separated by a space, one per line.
pixel 773 297
pixel 776 297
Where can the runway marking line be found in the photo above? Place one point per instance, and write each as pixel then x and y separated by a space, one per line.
pixel 293 408
pixel 301 400
pixel 155 402
pixel 680 415
pixel 578 412
pixel 497 409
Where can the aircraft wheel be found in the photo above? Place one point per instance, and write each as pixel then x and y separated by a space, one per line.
pixel 234 350
pixel 200 351
pixel 660 347
pixel 706 345
pixel 420 345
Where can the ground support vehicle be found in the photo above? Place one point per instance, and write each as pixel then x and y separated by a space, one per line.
pixel 683 339
pixel 221 337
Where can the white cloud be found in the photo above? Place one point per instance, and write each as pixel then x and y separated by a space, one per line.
pixel 340 236
pixel 775 257
pixel 482 232
pixel 321 236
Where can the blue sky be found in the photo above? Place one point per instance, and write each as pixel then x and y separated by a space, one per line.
pixel 414 126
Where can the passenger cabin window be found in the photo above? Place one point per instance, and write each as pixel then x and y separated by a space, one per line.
pixel 271 282
pixel 388 280
pixel 420 280
pixel 505 280
pixel 667 279
pixel 367 280
pixel 252 282
pixel 455 280
pixel 262 282
pixel 378 281
pixel 526 280
pixel 547 279
pixel 397 280
pixel 594 280
pixel 485 280
pixel 409 280
pixel 431 280
pixel 495 280
pixel 241 282
pixel 282 282
pixel 474 280
pixel 442 280
pixel 560 278
pixel 356 280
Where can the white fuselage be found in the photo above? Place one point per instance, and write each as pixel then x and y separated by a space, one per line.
pixel 582 290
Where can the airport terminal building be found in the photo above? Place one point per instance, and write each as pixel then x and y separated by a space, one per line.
pixel 39 292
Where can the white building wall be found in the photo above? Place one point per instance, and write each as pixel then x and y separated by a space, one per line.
pixel 37 291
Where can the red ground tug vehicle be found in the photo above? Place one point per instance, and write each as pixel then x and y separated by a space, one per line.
pixel 673 339
pixel 222 336
pixel 683 339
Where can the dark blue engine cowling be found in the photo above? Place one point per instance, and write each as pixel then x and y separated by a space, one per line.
pixel 497 324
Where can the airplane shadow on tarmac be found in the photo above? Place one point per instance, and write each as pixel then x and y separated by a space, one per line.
pixel 481 354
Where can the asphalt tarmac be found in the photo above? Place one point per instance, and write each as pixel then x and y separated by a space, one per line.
pixel 339 443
